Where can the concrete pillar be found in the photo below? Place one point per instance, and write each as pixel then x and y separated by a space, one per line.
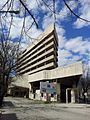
pixel 31 95
pixel 58 91
pixel 72 96
pixel 30 87
pixel 66 95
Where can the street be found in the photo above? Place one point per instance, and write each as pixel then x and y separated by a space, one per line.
pixel 24 109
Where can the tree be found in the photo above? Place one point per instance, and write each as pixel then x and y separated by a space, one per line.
pixel 9 54
pixel 10 48
pixel 84 83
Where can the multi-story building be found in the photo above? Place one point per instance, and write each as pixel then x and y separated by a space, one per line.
pixel 41 55
pixel 38 73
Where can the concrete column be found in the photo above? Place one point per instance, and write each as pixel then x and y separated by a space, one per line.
pixel 72 96
pixel 31 95
pixel 66 95
pixel 58 91
pixel 30 87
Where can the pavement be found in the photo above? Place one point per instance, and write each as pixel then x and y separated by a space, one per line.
pixel 10 100
pixel 71 105
pixel 24 109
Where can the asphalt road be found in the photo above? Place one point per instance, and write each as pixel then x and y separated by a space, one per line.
pixel 24 109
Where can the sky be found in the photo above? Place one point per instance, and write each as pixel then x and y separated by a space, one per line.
pixel 73 33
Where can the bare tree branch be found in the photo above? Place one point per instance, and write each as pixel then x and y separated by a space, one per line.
pixel 15 12
pixel 5 4
pixel 74 12
pixel 29 13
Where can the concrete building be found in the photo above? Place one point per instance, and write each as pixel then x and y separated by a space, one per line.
pixel 41 55
pixel 38 71
pixel 65 78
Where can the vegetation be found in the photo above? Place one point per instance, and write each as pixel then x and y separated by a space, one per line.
pixel 84 84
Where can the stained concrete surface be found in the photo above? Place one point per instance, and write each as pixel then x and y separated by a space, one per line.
pixel 24 109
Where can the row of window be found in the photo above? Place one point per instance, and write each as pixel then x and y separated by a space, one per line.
pixel 40 48
pixel 31 58
pixel 35 46
pixel 40 64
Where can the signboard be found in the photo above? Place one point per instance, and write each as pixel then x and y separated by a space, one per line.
pixel 46 87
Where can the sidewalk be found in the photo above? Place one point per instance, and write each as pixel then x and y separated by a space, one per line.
pixel 71 105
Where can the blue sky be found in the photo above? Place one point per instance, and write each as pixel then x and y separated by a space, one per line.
pixel 73 33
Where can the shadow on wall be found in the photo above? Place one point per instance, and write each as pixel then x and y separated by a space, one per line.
pixel 9 116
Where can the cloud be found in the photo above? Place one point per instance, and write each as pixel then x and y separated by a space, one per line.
pixel 61 13
pixel 78 45
pixel 61 35
pixel 69 50
pixel 31 4
pixel 64 12
pixel 74 49
pixel 2 2
pixel 65 57
pixel 84 11
pixel 47 20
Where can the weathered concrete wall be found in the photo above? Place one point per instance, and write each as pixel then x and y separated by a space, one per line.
pixel 20 81
pixel 38 56
pixel 59 72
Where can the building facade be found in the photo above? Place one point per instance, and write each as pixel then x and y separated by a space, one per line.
pixel 38 72
pixel 41 55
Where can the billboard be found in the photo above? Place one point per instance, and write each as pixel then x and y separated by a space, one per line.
pixel 46 87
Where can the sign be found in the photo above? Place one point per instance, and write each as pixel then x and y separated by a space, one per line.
pixel 46 87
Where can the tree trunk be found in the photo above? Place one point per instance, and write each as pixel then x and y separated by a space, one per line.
pixel 1 95
pixel 3 89
pixel 1 100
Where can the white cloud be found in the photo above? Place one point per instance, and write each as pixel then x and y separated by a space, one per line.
pixel 31 4
pixel 2 2
pixel 6 6
pixel 61 35
pixel 16 28
pixel 78 44
pixel 34 32
pixel 62 54
pixel 47 20
pixel 84 10
pixel 73 50
pixel 64 12
pixel 65 57
pixel 60 15
pixel 66 47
